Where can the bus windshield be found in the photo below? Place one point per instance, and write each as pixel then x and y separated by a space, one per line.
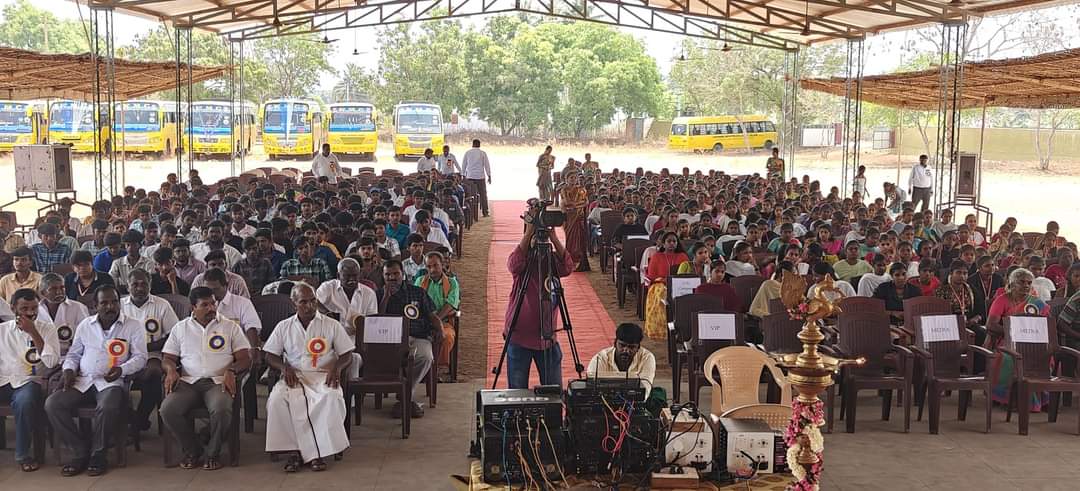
pixel 419 119
pixel 678 129
pixel 137 119
pixel 356 118
pixel 210 117
pixel 13 119
pixel 70 117
pixel 276 115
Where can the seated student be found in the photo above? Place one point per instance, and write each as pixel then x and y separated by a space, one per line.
pixel 628 227
pixel 97 242
pixel 256 271
pixel 869 282
pixel 93 374
pixel 49 252
pixel 32 338
pixel 896 290
pixel 211 350
pixel 1041 284
pixel 133 260
pixel 770 289
pixel 414 262
pixel 430 233
pixel 187 267
pixel 22 277
pixel 717 286
pixel 236 283
pixel 305 266
pixel 306 407
pixel 234 307
pixel 984 284
pixel 156 315
pixel 627 359
pixel 851 266
pixel 445 297
pixel 165 280
pixel 742 261
pixel 700 261
pixel 85 279
pixel 59 310
pixel 927 281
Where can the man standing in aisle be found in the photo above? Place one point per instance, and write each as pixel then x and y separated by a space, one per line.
pixel 476 168
pixel 448 162
pixel 326 164
pixel 921 183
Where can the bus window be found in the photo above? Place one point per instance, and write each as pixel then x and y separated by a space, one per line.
pixel 695 129
pixel 769 126
pixel 678 129
pixel 710 129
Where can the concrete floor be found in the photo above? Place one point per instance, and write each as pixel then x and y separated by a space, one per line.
pixel 877 456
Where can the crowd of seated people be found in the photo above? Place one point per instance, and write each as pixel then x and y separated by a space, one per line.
pixel 89 306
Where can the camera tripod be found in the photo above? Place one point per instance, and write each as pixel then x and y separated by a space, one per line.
pixel 550 295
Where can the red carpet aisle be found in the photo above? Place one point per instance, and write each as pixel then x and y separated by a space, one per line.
pixel 593 329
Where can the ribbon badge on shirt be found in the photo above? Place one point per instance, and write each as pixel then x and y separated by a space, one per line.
pixel 216 342
pixel 117 349
pixel 411 311
pixel 32 358
pixel 152 327
pixel 1031 309
pixel 64 333
pixel 315 348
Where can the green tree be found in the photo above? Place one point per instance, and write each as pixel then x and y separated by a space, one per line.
pixel 28 27
pixel 293 64
pixel 355 84
pixel 425 64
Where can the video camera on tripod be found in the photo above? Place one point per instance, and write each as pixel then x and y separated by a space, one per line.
pixel 543 219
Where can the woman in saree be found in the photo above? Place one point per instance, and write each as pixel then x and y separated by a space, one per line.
pixel 544 166
pixel 660 265
pixel 575 200
pixel 1016 300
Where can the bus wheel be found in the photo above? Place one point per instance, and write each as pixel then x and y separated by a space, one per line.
pixel 717 148
pixel 768 144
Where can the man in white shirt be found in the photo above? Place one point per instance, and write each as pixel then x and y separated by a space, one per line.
pixel 211 350
pixel 305 409
pixel 235 308
pixel 448 163
pixel 427 162
pixel 28 346
pixel 870 281
pixel 325 164
pixel 626 358
pixel 921 183
pixel 236 283
pixel 215 241
pixel 157 317
pixel 134 259
pixel 107 347
pixel 475 168
pixel 429 233
pixel 345 299
pixel 59 310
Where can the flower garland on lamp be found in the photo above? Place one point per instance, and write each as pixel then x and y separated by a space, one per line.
pixel 810 373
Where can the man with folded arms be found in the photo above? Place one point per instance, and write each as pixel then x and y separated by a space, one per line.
pixel 306 409
pixel 107 347
pixel 211 349
pixel 28 346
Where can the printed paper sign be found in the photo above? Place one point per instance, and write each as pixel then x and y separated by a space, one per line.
pixel 683 286
pixel 937 328
pixel 716 326
pixel 645 237
pixel 382 330
pixel 1029 330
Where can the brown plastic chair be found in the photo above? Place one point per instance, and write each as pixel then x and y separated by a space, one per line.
pixel 272 309
pixel 914 307
pixel 679 332
pixel 609 221
pixel 776 306
pixel 854 305
pixel 746 287
pixel 888 366
pixel 739 369
pixel 946 368
pixel 671 279
pixel 699 349
pixel 781 333
pixel 626 269
pixel 1032 372
pixel 387 370
pixel 180 304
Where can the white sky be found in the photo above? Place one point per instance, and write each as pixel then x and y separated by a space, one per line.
pixel 884 52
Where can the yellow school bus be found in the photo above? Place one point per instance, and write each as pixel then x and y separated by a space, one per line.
pixel 352 129
pixel 72 123
pixel 719 132
pixel 209 126
pixel 417 126
pixel 292 127
pixel 21 123
pixel 146 127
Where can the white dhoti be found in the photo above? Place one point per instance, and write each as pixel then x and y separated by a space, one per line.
pixel 309 418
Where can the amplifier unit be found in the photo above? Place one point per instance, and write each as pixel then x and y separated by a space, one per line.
pixel 609 426
pixel 745 443
pixel 520 435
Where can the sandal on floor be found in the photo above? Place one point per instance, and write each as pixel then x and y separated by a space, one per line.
pixel 212 465
pixel 72 470
pixel 318 465
pixel 29 466
pixel 189 462
pixel 95 470
pixel 293 464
